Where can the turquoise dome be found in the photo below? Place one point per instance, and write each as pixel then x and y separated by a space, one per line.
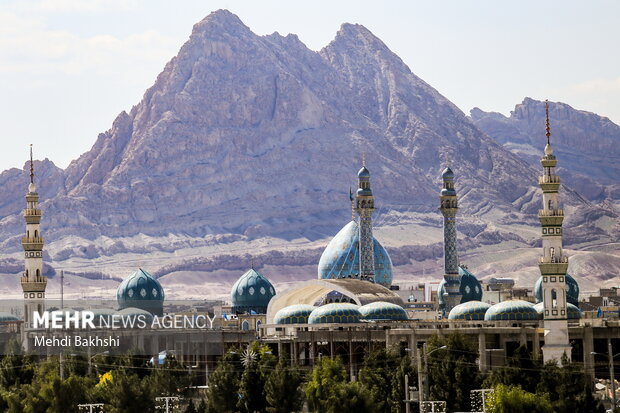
pixel 381 310
pixel 512 310
pixel 251 292
pixel 141 290
pixel 293 314
pixel 7 317
pixel 447 173
pixel 341 257
pixel 471 289
pixel 471 310
pixel 574 313
pixel 572 290
pixel 335 313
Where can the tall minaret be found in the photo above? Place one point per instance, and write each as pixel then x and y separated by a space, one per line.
pixel 449 208
pixel 365 205
pixel 33 282
pixel 553 263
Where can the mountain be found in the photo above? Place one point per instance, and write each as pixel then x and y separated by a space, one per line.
pixel 247 145
pixel 588 145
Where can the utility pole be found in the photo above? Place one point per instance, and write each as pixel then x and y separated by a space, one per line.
pixel 91 406
pixel 610 356
pixel 167 400
pixel 61 360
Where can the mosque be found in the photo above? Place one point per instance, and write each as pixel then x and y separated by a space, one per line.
pixel 351 307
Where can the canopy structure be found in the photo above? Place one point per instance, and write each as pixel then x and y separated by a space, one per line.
pixel 362 292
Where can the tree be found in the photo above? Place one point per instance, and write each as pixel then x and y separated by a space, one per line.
pixel 453 372
pixel 398 383
pixel 190 407
pixel 326 377
pixel 222 394
pixel 15 367
pixel 170 379
pixel 258 364
pixel 126 393
pixel 513 399
pixel 567 387
pixel 522 369
pixel 283 388
pixel 379 374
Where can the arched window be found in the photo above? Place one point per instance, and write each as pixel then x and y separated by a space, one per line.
pixel 554 298
pixel 245 326
pixel 258 323
pixel 36 233
pixel 550 204
pixel 38 272
pixel 552 253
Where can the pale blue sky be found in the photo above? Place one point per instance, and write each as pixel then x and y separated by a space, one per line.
pixel 68 67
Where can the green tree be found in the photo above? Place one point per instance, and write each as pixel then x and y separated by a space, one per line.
pixel 326 376
pixel 190 407
pixel 126 393
pixel 513 399
pixel 378 376
pixel 453 372
pixel 283 388
pixel 222 393
pixel 522 369
pixel 567 387
pixel 258 364
pixel 398 385
pixel 15 367
pixel 169 379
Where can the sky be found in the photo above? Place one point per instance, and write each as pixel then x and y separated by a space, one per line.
pixel 69 67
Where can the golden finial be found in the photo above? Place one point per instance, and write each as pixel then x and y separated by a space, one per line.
pixel 252 263
pixel 31 166
pixel 447 160
pixel 547 121
pixel 364 159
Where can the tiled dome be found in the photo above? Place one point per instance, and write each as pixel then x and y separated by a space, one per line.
pixel 141 290
pixel 512 310
pixel 251 292
pixel 572 290
pixel 294 314
pixel 381 310
pixel 335 313
pixel 471 310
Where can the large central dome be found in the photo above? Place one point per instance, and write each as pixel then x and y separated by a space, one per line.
pixel 341 257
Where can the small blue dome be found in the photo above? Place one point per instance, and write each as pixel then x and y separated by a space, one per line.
pixel 574 313
pixel 572 290
pixel 363 173
pixel 7 317
pixel 381 310
pixel 341 257
pixel 470 289
pixel 251 292
pixel 447 174
pixel 335 313
pixel 512 310
pixel 471 310
pixel 448 192
pixel 294 314
pixel 141 290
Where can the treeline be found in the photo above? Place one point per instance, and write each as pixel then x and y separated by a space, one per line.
pixel 252 379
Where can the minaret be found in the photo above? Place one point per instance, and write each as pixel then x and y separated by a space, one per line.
pixel 449 208
pixel 33 282
pixel 365 205
pixel 553 263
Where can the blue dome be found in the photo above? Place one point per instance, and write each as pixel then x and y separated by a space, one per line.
pixel 512 310
pixel 251 292
pixel 335 313
pixel 574 313
pixel 447 174
pixel 381 310
pixel 471 310
pixel 341 257
pixel 141 290
pixel 572 290
pixel 7 317
pixel 470 289
pixel 293 314
pixel 363 172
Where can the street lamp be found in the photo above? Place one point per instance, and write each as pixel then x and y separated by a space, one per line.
pixel 610 360
pixel 426 380
pixel 90 360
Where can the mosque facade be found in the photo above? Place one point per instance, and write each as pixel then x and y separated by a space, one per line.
pixel 368 314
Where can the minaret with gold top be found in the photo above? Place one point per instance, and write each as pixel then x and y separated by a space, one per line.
pixel 448 205
pixel 553 264
pixel 33 282
pixel 365 205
